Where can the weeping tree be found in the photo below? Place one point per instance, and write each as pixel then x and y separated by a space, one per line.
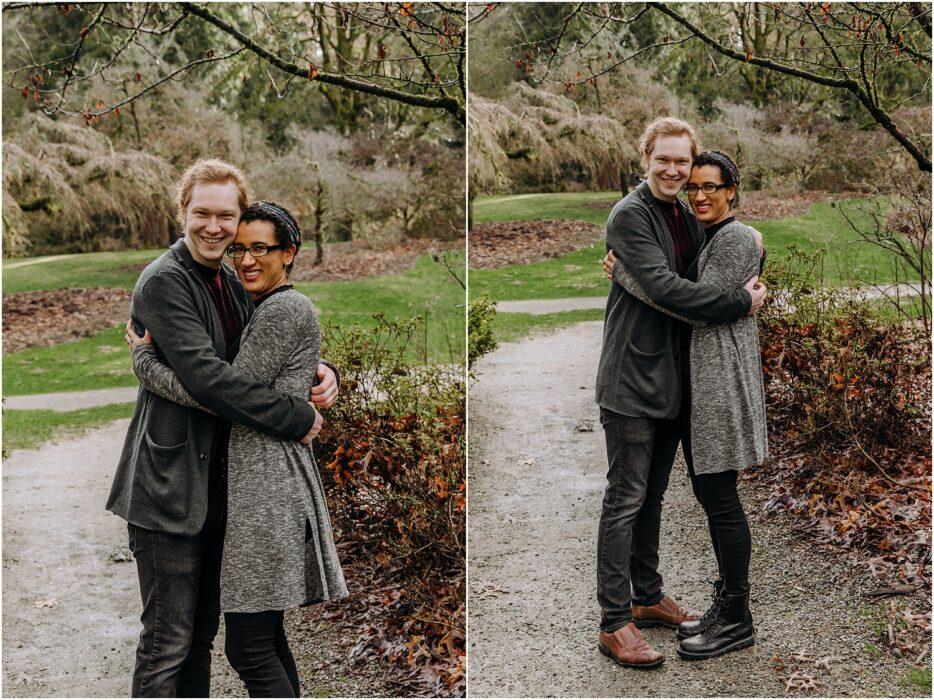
pixel 532 139
pixel 66 189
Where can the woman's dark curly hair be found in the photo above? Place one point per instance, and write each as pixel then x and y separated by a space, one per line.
pixel 729 173
pixel 283 223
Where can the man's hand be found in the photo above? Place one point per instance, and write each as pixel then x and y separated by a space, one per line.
pixel 315 427
pixel 608 262
pixel 758 293
pixel 324 393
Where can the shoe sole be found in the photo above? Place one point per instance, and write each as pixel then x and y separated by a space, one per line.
pixel 606 652
pixel 735 646
pixel 649 624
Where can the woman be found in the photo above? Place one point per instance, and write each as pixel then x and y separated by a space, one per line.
pixel 278 549
pixel 728 428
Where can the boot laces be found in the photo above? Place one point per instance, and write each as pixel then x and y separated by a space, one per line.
pixel 713 611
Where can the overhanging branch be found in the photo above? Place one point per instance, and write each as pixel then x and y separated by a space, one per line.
pixel 874 109
pixel 314 73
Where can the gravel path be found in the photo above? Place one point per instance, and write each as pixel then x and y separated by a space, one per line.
pixel 71 600
pixel 539 307
pixel 537 474
pixel 72 400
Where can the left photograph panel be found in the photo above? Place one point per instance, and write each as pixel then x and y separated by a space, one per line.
pixel 234 350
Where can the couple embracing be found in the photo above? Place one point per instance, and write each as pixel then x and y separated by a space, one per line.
pixel 223 501
pixel 680 364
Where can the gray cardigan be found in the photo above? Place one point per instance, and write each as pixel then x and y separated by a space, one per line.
pixel 279 549
pixel 161 481
pixel 640 364
pixel 728 424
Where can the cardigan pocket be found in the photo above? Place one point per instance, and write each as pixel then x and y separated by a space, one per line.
pixel 647 374
pixel 165 481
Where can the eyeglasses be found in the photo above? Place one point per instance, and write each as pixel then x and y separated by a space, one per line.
pixel 257 251
pixel 706 188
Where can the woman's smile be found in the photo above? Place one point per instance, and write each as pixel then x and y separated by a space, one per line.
pixel 263 272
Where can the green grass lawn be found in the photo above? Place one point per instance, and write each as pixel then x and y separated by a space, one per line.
pixel 102 360
pixel 81 270
pixel 541 207
pixel 28 429
pixel 98 362
pixel 848 261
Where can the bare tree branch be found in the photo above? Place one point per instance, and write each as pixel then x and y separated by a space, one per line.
pixel 865 96
pixel 314 73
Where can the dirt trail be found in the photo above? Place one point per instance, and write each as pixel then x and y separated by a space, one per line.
pixel 537 474
pixel 71 606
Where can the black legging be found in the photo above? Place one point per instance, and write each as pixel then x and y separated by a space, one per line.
pixel 259 652
pixel 726 519
pixel 729 529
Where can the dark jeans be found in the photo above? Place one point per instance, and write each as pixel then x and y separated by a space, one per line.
pixel 179 580
pixel 640 452
pixel 259 652
pixel 729 529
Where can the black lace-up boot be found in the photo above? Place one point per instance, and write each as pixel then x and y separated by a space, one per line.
pixel 692 627
pixel 731 630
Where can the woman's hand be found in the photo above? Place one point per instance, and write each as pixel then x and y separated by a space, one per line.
pixel 315 427
pixel 133 340
pixel 608 263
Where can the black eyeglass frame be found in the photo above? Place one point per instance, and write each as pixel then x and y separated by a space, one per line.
pixel 233 250
pixel 706 188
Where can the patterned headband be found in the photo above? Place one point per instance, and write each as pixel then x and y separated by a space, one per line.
pixel 725 161
pixel 283 218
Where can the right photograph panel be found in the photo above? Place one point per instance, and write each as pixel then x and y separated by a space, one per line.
pixel 700 347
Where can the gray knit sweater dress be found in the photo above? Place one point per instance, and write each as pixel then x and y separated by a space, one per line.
pixel 728 424
pixel 279 549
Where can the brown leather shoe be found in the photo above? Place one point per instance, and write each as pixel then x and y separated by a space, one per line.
pixel 627 648
pixel 665 613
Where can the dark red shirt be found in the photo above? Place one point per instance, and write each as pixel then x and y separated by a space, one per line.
pixel 230 322
pixel 678 228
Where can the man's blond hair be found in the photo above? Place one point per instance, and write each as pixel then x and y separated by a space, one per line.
pixel 666 126
pixel 210 171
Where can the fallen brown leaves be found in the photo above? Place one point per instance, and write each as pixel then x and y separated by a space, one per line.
pixel 502 243
pixel 849 405
pixel 353 260
pixel 392 457
pixel 49 317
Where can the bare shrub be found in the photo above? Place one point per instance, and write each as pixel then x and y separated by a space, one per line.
pixel 392 451
pixel 848 396
pixel 898 220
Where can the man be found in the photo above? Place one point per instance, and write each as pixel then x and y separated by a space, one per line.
pixel 171 481
pixel 643 385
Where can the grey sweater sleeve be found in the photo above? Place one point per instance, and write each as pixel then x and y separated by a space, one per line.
pixel 268 342
pixel 163 306
pixel 630 235
pixel 624 279
pixel 160 378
